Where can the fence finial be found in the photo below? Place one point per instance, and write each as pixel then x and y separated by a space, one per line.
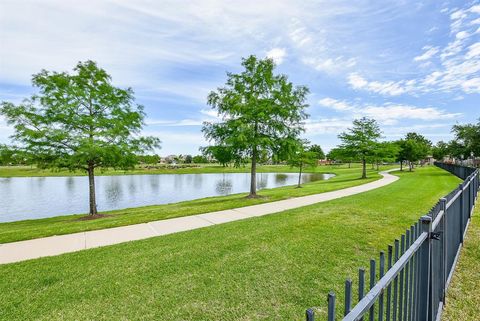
pixel 310 315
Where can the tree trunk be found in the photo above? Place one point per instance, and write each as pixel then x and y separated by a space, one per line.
pixel 410 166
pixel 349 164
pixel 401 166
pixel 300 175
pixel 364 168
pixel 378 166
pixel 253 174
pixel 91 186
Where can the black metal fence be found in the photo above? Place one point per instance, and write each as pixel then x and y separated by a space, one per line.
pixel 415 272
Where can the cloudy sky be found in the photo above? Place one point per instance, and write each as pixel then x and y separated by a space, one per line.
pixel 412 65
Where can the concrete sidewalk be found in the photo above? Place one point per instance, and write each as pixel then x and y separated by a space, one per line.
pixel 55 245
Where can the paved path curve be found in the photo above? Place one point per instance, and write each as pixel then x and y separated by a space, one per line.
pixel 55 245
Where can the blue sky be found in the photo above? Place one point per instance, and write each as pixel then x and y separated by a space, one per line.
pixel 412 65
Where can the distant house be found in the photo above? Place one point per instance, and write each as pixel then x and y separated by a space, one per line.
pixel 170 159
pixel 428 160
pixel 324 162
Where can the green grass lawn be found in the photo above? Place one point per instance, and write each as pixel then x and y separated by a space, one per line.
pixel 265 268
pixel 32 171
pixel 463 297
pixel 28 229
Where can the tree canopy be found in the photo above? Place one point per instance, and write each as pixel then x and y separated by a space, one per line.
pixel 413 148
pixel 259 111
pixel 361 140
pixel 467 136
pixel 79 121
pixel 222 154
pixel 319 154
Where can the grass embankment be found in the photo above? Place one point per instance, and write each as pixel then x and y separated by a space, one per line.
pixel 32 171
pixel 29 229
pixel 463 296
pixel 265 268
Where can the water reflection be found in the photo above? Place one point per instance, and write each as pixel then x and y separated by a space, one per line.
pixel 37 197
pixel 280 179
pixel 224 186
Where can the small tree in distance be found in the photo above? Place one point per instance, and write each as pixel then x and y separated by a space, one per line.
pixel 222 154
pixel 361 140
pixel 343 155
pixel 259 110
pixel 302 158
pixel 317 150
pixel 80 121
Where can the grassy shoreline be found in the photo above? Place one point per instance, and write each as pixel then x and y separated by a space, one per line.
pixel 29 171
pixel 265 268
pixel 29 229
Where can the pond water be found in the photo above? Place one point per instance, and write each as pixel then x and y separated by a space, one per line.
pixel 24 198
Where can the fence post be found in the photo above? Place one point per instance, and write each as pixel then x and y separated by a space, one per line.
pixel 443 204
pixel 424 294
pixel 462 209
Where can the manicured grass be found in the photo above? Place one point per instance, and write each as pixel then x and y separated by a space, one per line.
pixel 463 296
pixel 265 268
pixel 32 171
pixel 28 229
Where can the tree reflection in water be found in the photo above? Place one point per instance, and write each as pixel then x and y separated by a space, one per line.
pixel 224 186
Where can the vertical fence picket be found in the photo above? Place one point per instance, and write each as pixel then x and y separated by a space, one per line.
pixel 406 289
pixel 389 287
pixel 361 285
pixel 331 306
pixel 417 273
pixel 412 266
pixel 348 296
pixel 400 291
pixel 373 271
pixel 310 315
pixel 395 285
pixel 380 299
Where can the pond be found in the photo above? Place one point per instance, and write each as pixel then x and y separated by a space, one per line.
pixel 24 198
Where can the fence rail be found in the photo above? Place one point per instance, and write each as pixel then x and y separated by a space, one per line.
pixel 418 268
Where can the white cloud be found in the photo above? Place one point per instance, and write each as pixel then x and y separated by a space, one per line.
pixel 473 51
pixel 335 104
pixel 388 113
pixel 390 88
pixel 277 55
pixel 429 53
pixel 475 9
pixel 471 85
pixel 456 70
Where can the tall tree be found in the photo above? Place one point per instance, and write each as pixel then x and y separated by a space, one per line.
pixel 468 136
pixel 410 151
pixel 259 110
pixel 79 121
pixel 317 150
pixel 302 158
pixel 362 140
pixel 418 146
pixel 440 150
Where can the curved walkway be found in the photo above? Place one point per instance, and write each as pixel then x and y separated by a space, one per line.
pixel 55 245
